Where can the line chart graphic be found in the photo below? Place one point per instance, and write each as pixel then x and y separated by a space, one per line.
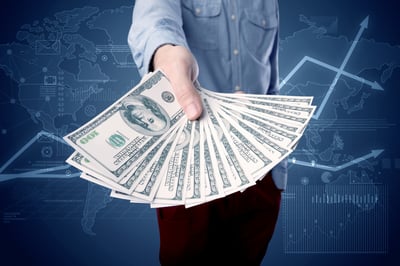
pixel 313 164
pixel 38 173
pixel 339 70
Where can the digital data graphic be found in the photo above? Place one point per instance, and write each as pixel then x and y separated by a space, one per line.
pixel 61 70
pixel 349 190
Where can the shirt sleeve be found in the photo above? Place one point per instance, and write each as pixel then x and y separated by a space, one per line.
pixel 154 23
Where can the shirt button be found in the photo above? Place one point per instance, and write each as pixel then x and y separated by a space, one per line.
pixel 264 23
pixel 237 88
pixel 235 51
pixel 197 11
pixel 233 17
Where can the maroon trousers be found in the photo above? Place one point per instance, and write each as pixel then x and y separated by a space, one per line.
pixel 234 230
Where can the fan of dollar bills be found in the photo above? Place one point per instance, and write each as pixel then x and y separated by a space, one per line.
pixel 145 150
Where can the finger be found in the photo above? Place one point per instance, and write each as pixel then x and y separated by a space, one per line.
pixel 188 97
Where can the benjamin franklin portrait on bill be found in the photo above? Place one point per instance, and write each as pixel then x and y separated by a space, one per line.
pixel 144 115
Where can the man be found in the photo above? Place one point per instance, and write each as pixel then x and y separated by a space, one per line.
pixel 229 46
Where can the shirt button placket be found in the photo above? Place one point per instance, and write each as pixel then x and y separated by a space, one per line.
pixel 235 42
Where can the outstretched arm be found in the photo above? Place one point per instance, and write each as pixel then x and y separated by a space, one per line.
pixel 157 41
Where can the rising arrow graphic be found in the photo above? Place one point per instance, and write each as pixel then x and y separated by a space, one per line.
pixel 363 26
pixel 373 153
pixel 339 70
pixel 373 84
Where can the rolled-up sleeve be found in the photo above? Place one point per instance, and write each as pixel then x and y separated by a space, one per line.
pixel 154 23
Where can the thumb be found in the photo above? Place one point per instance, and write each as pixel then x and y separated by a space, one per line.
pixel 188 97
pixel 182 69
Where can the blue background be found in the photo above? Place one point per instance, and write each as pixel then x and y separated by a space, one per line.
pixel 52 217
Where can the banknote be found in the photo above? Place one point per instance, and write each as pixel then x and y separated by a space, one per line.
pixel 91 167
pixel 100 181
pixel 256 161
pixel 292 109
pixel 272 117
pixel 213 184
pixel 234 154
pixel 281 115
pixel 120 195
pixel 90 172
pixel 280 136
pixel 119 136
pixel 144 149
pixel 195 187
pixel 295 100
pixel 220 166
pixel 150 175
pixel 172 187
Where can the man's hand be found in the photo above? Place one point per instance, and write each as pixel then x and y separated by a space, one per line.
pixel 181 68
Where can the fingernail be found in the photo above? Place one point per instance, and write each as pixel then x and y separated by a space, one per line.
pixel 192 111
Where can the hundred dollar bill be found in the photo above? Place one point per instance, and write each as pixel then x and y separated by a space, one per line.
pixel 255 160
pixel 122 134
pixel 171 190
pixel 115 191
pixel 195 188
pixel 283 115
pixel 79 161
pixel 143 183
pixel 151 174
pixel 278 135
pixel 299 111
pixel 119 195
pixel 239 160
pixel 97 181
pixel 92 168
pixel 269 147
pixel 292 128
pixel 136 175
pixel 213 185
pixel 258 153
pixel 90 174
pixel 290 121
pixel 221 168
pixel 294 100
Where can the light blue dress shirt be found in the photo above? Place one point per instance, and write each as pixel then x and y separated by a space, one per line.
pixel 235 43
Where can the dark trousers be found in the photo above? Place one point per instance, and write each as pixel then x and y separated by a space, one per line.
pixel 234 230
